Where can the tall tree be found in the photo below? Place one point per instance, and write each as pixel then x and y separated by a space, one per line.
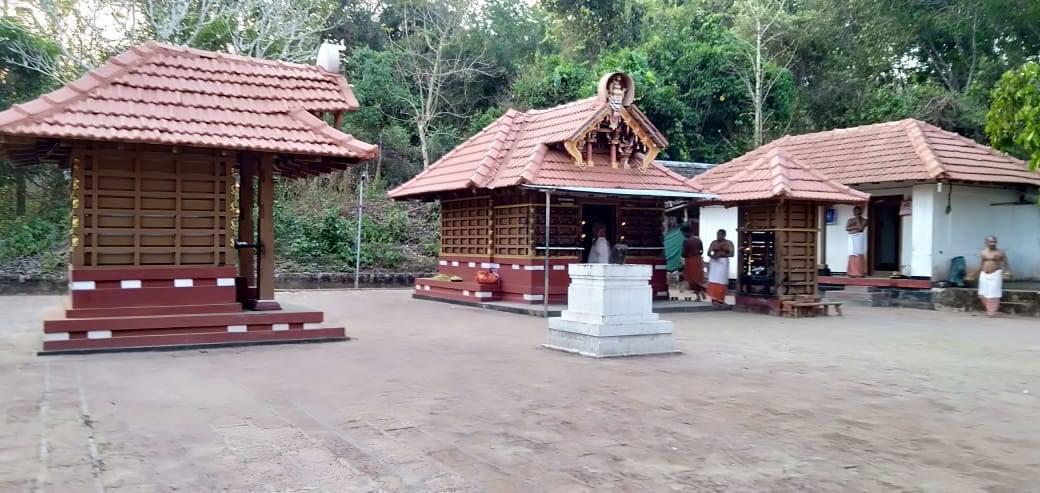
pixel 762 25
pixel 431 56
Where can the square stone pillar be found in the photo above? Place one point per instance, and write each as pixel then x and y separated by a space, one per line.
pixel 610 313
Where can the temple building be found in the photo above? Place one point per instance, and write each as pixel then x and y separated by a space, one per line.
pixel 172 155
pixel 573 167
pixel 934 195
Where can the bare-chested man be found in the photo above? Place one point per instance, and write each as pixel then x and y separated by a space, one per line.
pixel 856 227
pixel 991 275
pixel 719 253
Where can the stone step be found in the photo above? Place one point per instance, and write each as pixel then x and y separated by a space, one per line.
pixel 858 297
pixel 862 289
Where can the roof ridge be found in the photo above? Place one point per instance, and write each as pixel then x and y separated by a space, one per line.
pixel 922 147
pixel 77 90
pixel 500 144
pixel 971 142
pixel 447 155
pixel 318 126
pixel 847 130
pixel 535 111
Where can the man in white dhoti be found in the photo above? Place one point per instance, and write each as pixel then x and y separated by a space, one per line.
pixel 992 271
pixel 600 251
pixel 719 253
pixel 857 227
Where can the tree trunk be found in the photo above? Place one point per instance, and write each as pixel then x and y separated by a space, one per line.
pixel 424 144
pixel 758 88
pixel 19 192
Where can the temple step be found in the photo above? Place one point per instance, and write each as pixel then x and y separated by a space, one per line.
pixel 861 295
pixel 146 311
pixel 141 332
pixel 152 296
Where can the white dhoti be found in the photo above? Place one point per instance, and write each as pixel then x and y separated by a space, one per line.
pixel 718 270
pixel 718 279
pixel 991 286
pixel 857 250
pixel 857 243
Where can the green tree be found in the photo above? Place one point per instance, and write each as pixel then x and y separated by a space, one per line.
pixel 1013 121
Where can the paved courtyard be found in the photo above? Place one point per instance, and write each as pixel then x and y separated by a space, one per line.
pixel 433 397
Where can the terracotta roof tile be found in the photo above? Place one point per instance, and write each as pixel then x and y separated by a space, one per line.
pixel 524 148
pixel 905 150
pixel 157 93
pixel 777 174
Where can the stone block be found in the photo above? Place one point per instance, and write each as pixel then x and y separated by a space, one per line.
pixel 610 313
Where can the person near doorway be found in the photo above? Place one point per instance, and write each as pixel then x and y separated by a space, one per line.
pixel 991 275
pixel 857 227
pixel 600 251
pixel 719 253
pixel 693 262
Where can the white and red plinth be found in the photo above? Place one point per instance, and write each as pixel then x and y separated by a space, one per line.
pixel 610 313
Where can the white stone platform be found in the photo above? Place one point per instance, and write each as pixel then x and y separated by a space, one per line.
pixel 610 313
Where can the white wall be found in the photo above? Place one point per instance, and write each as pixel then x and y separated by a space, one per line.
pixel 923 229
pixel 972 217
pixel 838 240
pixel 715 218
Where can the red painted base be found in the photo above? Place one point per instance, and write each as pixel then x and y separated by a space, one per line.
pixel 170 307
pixel 878 282
pixel 179 330
pixel 757 304
pixel 522 279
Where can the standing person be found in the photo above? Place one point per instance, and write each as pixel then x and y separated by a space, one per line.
pixel 719 253
pixel 600 251
pixel 856 227
pixel 693 262
pixel 991 275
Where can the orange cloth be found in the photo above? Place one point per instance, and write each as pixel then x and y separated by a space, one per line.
pixel 717 292
pixel 856 267
pixel 693 271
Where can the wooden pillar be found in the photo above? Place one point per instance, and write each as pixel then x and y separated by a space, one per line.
pixel 265 206
pixel 246 227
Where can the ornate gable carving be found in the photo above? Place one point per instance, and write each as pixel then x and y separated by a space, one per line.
pixel 614 131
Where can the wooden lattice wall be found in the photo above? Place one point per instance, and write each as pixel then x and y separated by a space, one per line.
pixel 640 228
pixel 790 231
pixel 465 225
pixel 149 206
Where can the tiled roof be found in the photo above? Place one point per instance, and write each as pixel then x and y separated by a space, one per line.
pixel 905 150
pixel 521 148
pixel 777 174
pixel 160 94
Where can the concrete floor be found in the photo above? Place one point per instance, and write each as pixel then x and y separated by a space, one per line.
pixel 435 397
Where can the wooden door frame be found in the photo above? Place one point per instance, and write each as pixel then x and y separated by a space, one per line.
pixel 872 238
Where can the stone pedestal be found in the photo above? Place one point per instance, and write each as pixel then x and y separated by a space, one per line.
pixel 610 313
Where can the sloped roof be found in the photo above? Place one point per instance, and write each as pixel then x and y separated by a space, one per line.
pixel 161 94
pixel 777 174
pixel 517 149
pixel 904 150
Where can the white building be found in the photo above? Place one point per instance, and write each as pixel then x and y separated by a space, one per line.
pixel 934 196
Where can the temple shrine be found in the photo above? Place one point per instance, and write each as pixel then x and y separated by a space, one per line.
pixel 779 201
pixel 521 198
pixel 172 155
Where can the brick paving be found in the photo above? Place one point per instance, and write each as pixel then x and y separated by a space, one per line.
pixel 434 397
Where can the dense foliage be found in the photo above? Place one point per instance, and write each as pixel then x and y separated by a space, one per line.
pixel 1014 117
pixel 430 73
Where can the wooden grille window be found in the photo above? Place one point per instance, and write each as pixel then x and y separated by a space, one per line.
pixel 564 230
pixel 136 208
pixel 512 232
pixel 464 227
pixel 640 229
